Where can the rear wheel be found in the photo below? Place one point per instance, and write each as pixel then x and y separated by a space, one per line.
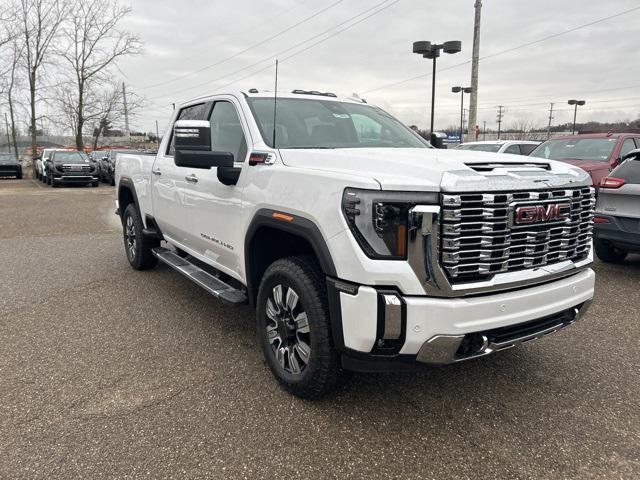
pixel 137 246
pixel 294 328
pixel 608 253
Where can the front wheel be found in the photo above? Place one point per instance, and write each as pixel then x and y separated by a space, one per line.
pixel 136 246
pixel 294 328
pixel 608 253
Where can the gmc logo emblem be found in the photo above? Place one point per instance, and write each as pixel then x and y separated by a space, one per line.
pixel 550 212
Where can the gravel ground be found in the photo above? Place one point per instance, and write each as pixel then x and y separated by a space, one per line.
pixel 106 372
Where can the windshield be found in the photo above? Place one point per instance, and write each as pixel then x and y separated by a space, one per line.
pixel 596 149
pixel 70 157
pixel 479 147
pixel 307 123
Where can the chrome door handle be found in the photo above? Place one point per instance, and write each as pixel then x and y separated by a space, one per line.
pixel 191 178
pixel 156 172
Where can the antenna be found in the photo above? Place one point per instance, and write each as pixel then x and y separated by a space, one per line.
pixel 275 106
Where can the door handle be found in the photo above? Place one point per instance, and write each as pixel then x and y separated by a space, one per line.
pixel 191 178
pixel 156 172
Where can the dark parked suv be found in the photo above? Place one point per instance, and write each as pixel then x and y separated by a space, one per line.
pixel 70 167
pixel 617 220
pixel 10 166
pixel 108 165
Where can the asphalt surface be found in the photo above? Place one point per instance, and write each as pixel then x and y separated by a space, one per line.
pixel 106 372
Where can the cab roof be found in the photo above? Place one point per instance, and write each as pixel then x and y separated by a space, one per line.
pixel 297 93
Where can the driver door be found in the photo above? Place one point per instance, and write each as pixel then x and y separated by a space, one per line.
pixel 214 208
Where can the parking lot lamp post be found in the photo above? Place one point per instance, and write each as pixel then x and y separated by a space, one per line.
pixel 461 91
pixel 575 103
pixel 432 51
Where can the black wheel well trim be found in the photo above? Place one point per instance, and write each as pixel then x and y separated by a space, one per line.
pixel 299 226
pixel 127 184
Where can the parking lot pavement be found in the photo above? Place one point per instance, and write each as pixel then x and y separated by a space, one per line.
pixel 106 372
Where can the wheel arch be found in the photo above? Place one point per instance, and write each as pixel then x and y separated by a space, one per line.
pixel 126 196
pixel 272 237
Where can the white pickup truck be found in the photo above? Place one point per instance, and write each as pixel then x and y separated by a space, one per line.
pixel 360 246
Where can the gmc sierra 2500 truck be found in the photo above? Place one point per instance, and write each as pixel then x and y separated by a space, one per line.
pixel 360 246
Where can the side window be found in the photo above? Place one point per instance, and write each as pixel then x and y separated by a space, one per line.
pixel 627 146
pixel 515 149
pixel 527 148
pixel 194 112
pixel 226 131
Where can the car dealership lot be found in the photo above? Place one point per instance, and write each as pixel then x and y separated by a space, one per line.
pixel 109 372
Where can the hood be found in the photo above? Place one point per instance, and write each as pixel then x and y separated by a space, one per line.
pixel 428 169
pixel 71 161
pixel 9 161
pixel 587 165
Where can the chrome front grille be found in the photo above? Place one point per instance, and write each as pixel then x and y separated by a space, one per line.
pixel 479 237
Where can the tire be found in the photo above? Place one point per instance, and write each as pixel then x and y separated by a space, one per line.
pixel 112 181
pixel 137 247
pixel 307 363
pixel 95 184
pixel 19 176
pixel 608 253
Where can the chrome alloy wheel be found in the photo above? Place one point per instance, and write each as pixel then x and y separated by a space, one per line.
pixel 130 237
pixel 288 330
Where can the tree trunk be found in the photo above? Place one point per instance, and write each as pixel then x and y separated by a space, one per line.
pixel 11 110
pixel 80 119
pixel 97 136
pixel 32 99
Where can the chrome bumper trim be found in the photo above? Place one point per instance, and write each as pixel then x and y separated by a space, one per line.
pixel 442 349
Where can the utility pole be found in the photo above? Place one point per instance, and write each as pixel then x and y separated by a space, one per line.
pixel 484 130
pixel 6 123
pixel 500 115
pixel 475 60
pixel 550 118
pixel 126 112
pixel 157 135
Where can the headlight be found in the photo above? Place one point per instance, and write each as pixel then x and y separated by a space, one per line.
pixel 379 220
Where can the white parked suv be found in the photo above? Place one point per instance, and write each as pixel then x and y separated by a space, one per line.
pixel 515 147
pixel 359 245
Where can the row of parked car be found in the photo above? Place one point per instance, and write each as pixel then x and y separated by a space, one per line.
pixel 66 166
pixel 613 162
pixel 596 153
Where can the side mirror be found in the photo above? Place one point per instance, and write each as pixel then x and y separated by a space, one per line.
pixel 635 154
pixel 192 135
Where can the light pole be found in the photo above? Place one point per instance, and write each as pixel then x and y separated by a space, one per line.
pixel 575 112
pixel 432 51
pixel 461 91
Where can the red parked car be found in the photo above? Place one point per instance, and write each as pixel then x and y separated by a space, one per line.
pixel 597 153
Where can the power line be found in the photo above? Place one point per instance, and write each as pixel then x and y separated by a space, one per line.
pixel 508 50
pixel 333 34
pixel 258 44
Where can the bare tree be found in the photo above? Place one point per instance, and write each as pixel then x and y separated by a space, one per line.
pixel 11 84
pixel 95 45
pixel 39 23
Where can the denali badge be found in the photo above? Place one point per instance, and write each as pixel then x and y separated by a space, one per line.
pixel 550 212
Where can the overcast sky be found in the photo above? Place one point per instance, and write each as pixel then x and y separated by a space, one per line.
pixel 598 63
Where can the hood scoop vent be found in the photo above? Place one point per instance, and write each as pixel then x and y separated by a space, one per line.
pixel 490 166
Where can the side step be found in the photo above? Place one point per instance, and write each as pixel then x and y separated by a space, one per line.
pixel 211 284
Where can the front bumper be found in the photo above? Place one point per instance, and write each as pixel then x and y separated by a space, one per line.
pixel 622 232
pixel 376 332
pixel 10 171
pixel 80 178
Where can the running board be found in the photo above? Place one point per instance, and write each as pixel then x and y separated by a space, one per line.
pixel 197 275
